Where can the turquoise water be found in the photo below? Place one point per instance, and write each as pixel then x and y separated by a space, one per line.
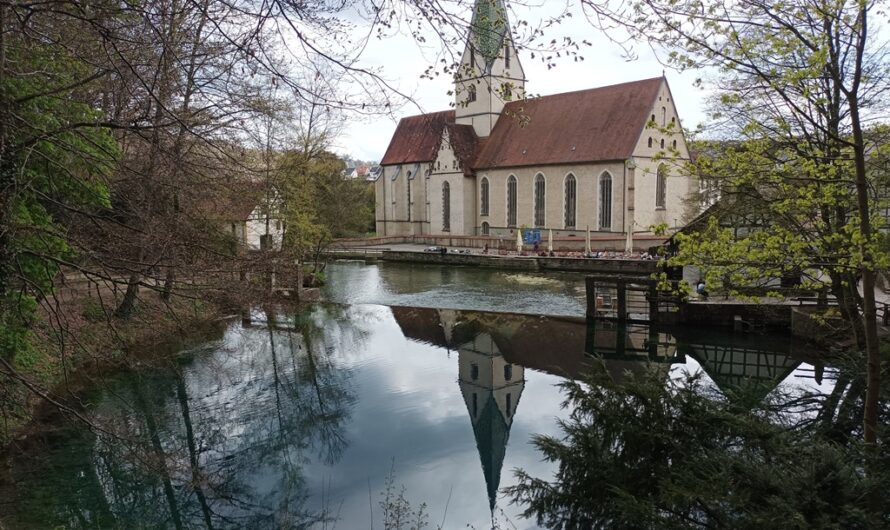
pixel 296 419
pixel 403 284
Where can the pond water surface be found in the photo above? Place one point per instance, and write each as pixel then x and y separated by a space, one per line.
pixel 437 377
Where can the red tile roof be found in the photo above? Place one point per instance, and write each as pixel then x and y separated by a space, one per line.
pixel 595 125
pixel 587 126
pixel 417 138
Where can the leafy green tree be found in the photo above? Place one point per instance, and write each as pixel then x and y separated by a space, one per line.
pixel 54 158
pixel 320 202
pixel 796 84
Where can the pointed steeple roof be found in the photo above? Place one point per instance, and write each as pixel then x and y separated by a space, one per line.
pixel 492 433
pixel 488 29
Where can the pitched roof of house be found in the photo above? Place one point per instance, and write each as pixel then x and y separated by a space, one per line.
pixel 599 124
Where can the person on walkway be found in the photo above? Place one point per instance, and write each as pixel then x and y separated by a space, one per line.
pixel 701 289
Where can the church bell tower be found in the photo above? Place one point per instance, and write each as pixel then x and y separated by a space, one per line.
pixel 490 74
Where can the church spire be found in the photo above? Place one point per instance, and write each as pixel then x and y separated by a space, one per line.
pixel 491 388
pixel 488 30
pixel 490 74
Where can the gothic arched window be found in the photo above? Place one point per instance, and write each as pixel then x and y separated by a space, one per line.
pixel 571 198
pixel 486 229
pixel 511 201
pixel 471 92
pixel 483 196
pixel 540 199
pixel 446 207
pixel 605 201
pixel 650 141
pixel 660 186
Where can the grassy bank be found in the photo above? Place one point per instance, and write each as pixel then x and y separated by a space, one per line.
pixel 78 339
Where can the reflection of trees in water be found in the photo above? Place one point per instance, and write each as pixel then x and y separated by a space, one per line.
pixel 644 447
pixel 218 444
pixel 650 453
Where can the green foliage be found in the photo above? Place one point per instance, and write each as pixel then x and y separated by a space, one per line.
pixel 53 162
pixel 662 451
pixel 778 218
pixel 93 311
pixel 320 203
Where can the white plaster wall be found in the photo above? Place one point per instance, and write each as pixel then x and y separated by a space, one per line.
pixel 587 208
pixel 392 204
pixel 456 182
pixel 255 227
pixel 679 187
pixel 448 168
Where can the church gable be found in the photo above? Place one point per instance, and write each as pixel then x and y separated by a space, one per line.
pixel 663 134
pixel 446 161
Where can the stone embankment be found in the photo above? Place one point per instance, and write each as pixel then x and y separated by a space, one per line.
pixel 641 242
pixel 632 267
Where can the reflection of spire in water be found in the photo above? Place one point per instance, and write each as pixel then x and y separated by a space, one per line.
pixel 491 388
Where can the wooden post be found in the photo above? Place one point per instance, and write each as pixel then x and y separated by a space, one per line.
pixel 298 288
pixel 653 302
pixel 621 287
pixel 590 286
pixel 621 337
pixel 653 341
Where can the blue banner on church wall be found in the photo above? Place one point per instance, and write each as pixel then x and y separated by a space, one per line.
pixel 530 237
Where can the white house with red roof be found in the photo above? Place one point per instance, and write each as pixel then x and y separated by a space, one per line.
pixel 604 159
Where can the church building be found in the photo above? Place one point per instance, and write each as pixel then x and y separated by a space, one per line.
pixel 604 159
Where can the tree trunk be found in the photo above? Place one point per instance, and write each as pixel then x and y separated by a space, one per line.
pixel 866 248
pixel 182 395
pixel 160 455
pixel 848 306
pixel 128 304
pixel 169 280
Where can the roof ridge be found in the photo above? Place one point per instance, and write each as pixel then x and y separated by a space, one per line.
pixel 580 90
pixel 659 78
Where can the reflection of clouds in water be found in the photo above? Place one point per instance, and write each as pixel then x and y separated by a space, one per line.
pixel 274 424
pixel 427 430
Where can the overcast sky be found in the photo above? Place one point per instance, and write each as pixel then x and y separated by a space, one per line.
pixel 402 62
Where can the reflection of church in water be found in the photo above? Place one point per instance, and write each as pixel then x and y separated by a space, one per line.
pixel 495 349
pixel 491 388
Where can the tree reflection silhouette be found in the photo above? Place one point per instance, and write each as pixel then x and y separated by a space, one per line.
pixel 681 453
pixel 220 445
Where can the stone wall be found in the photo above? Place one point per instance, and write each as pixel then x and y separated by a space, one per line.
pixel 528 263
